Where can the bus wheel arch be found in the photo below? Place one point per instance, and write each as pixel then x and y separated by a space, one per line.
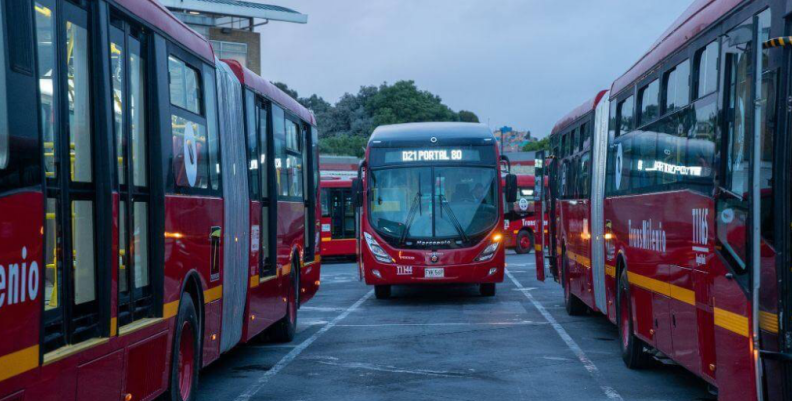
pixel 633 349
pixel 186 354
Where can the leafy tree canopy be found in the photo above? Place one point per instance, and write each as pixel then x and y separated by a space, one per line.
pixel 344 128
pixel 542 144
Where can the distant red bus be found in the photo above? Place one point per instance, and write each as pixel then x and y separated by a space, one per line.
pixel 520 219
pixel 432 209
pixel 155 212
pixel 668 215
pixel 339 233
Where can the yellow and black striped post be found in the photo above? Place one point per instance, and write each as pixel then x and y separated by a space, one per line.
pixel 778 42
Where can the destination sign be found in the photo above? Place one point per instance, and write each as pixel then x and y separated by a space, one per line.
pixel 431 155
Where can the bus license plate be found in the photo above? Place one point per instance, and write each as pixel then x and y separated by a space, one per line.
pixel 434 272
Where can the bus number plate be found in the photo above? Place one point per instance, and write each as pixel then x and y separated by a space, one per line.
pixel 434 272
pixel 404 270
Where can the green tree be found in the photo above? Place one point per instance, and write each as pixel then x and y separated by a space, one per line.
pixel 344 145
pixel 542 144
pixel 291 92
pixel 468 116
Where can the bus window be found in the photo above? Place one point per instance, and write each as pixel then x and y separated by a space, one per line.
pixel 648 96
pixel 676 91
pixel 765 117
pixel 732 206
pixel 190 150
pixel 325 200
pixel 279 135
pixel 4 134
pixel 213 137
pixel 626 116
pixel 706 70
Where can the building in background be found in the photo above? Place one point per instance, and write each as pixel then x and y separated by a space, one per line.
pixel 230 25
pixel 511 140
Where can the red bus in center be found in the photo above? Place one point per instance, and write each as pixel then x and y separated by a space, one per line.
pixel 431 207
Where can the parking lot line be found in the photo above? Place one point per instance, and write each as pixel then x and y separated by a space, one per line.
pixel 609 391
pixel 293 354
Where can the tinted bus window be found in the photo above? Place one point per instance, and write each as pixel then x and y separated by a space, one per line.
pixel 676 92
pixel 279 131
pixel 4 134
pixel 626 115
pixel 649 103
pixel 184 86
pixel 707 70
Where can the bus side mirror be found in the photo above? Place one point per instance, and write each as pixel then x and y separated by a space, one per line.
pixel 357 192
pixel 511 188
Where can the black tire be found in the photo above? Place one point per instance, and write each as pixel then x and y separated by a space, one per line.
pixel 488 289
pixel 524 237
pixel 382 291
pixel 573 305
pixel 187 318
pixel 633 349
pixel 284 330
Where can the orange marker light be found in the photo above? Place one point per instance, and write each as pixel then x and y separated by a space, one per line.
pixel 497 237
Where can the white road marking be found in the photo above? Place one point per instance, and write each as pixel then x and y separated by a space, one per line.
pixel 291 356
pixel 320 309
pixel 609 391
pixel 521 323
pixel 391 369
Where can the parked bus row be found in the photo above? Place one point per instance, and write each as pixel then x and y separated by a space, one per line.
pixel 669 201
pixel 158 204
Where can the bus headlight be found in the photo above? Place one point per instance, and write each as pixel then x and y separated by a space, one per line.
pixel 376 249
pixel 489 252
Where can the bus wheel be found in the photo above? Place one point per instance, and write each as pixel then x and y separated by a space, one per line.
pixel 633 353
pixel 285 329
pixel 573 305
pixel 487 289
pixel 382 291
pixel 524 242
pixel 186 353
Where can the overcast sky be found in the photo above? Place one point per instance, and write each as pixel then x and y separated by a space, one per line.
pixel 521 63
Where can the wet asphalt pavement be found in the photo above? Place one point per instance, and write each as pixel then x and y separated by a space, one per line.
pixel 443 343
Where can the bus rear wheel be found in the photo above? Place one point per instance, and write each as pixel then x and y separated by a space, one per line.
pixel 284 330
pixel 185 358
pixel 525 242
pixel 573 305
pixel 382 291
pixel 632 348
pixel 487 289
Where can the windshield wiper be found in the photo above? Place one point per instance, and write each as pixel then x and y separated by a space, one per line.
pixel 454 220
pixel 411 216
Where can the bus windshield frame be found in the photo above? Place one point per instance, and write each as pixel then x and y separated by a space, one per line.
pixel 433 204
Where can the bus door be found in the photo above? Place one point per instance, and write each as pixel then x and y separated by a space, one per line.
pixel 311 182
pixel 539 213
pixel 552 218
pixel 744 227
pixel 342 214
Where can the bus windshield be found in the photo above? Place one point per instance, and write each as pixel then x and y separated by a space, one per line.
pixel 420 206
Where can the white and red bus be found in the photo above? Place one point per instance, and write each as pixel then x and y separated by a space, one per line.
pixel 671 201
pixel 432 208
pixel 520 219
pixel 153 209
pixel 339 223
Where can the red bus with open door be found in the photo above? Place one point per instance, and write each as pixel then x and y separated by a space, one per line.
pixel 672 204
pixel 137 243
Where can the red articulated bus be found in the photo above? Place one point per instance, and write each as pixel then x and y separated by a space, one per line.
pixel 432 208
pixel 339 234
pixel 154 211
pixel 670 197
pixel 519 225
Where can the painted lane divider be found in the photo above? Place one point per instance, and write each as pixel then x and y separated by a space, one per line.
pixel 293 354
pixel 587 363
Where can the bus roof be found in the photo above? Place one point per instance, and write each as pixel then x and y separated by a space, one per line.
pixel 700 15
pixel 386 136
pixel 157 15
pixel 270 91
pixel 578 112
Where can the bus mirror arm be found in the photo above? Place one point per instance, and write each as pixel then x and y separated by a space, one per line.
pixel 504 158
pixel 357 186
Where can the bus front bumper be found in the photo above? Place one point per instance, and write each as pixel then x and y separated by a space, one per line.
pixel 381 274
